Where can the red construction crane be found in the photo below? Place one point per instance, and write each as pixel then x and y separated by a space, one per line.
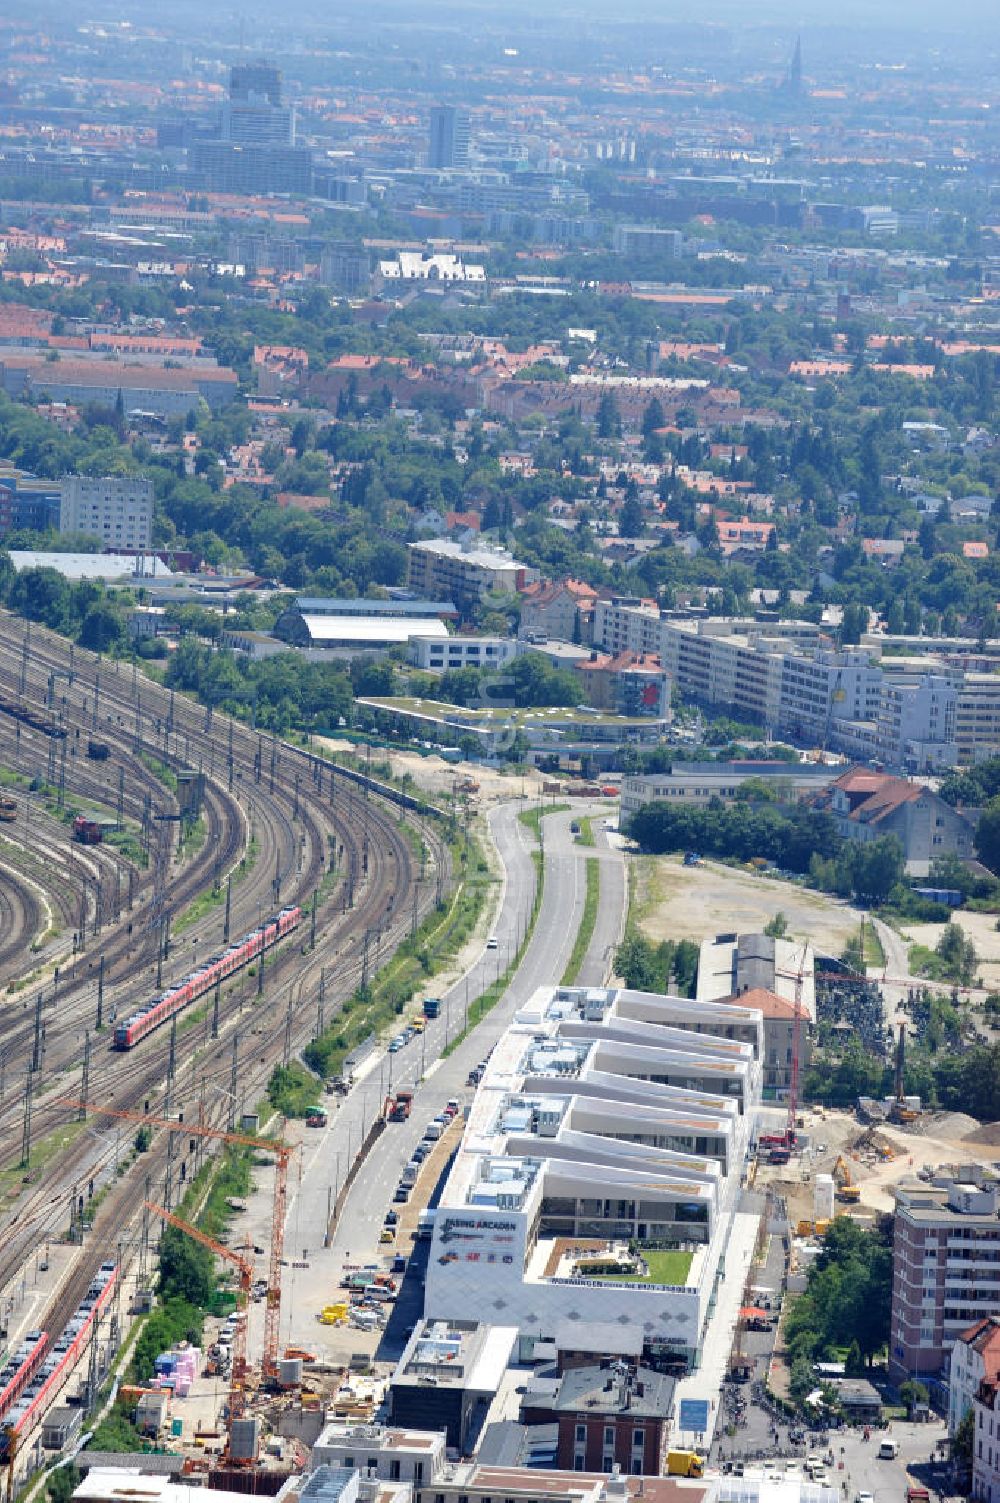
pixel 239 1371
pixel 282 1153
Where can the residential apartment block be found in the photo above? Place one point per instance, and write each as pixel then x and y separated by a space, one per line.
pixel 445 570
pixel 914 714
pixel 118 509
pixel 986 1443
pixel 975 1359
pixel 945 1270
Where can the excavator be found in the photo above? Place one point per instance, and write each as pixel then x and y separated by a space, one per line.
pixel 847 1190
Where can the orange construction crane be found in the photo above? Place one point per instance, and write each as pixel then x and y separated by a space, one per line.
pixel 282 1153
pixel 238 1374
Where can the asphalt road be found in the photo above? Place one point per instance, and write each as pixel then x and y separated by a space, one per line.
pixel 326 1158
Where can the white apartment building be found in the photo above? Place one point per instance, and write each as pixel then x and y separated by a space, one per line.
pixel 977 717
pixel 439 655
pixel 118 509
pixel 786 676
pixel 916 724
pixel 975 1359
pixel 986 1443
pixel 440 569
pixel 613 1116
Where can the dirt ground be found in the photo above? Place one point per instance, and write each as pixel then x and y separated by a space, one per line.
pixel 433 775
pixel 939 1138
pixel 681 902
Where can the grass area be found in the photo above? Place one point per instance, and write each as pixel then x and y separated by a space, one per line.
pixel 43 1151
pixel 586 835
pixel 874 955
pixel 293 1090
pixel 923 961
pixel 127 843
pixel 532 818
pixel 588 921
pixel 666 1266
pixel 437 940
pixel 193 836
pixel 214 897
pixel 438 712
pixel 161 772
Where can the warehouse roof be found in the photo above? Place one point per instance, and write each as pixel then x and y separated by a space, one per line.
pixel 378 630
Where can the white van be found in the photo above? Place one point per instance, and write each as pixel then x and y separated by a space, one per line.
pixel 888 1450
pixel 433 1131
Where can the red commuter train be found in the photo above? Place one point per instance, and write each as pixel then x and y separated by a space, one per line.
pixel 48 1378
pixel 157 1011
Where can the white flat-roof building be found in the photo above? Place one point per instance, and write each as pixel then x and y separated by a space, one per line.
pixel 606 1120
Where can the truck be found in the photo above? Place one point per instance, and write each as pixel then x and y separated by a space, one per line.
pixel 8 810
pixel 409 1175
pixel 685 1464
pixel 367 1278
pixel 316 1117
pixel 425 1225
pixel 432 1007
pixel 402 1106
pixel 87 831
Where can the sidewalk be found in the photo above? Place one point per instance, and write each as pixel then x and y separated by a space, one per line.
pixel 706 1382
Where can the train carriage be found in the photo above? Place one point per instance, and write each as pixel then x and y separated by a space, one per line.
pixel 158 1011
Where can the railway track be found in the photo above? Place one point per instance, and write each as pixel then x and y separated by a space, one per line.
pixel 301 812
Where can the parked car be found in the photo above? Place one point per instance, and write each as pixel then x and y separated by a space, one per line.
pixel 398 1043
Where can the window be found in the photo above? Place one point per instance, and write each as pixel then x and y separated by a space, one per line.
pixel 638 1438
pixel 348 1461
pixel 607 1462
pixel 418 1475
pixel 581 1432
pixel 394 1469
pixel 609 1435
pixel 578 1463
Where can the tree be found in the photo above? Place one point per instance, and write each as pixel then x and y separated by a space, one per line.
pixel 777 927
pixel 62 1484
pixel 653 417
pixel 987 837
pixel 102 628
pixel 913 1394
pixel 854 623
pixel 631 518
pixel 609 423
pixel 186 1270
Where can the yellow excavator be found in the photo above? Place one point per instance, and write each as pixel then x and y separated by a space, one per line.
pixel 847 1190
